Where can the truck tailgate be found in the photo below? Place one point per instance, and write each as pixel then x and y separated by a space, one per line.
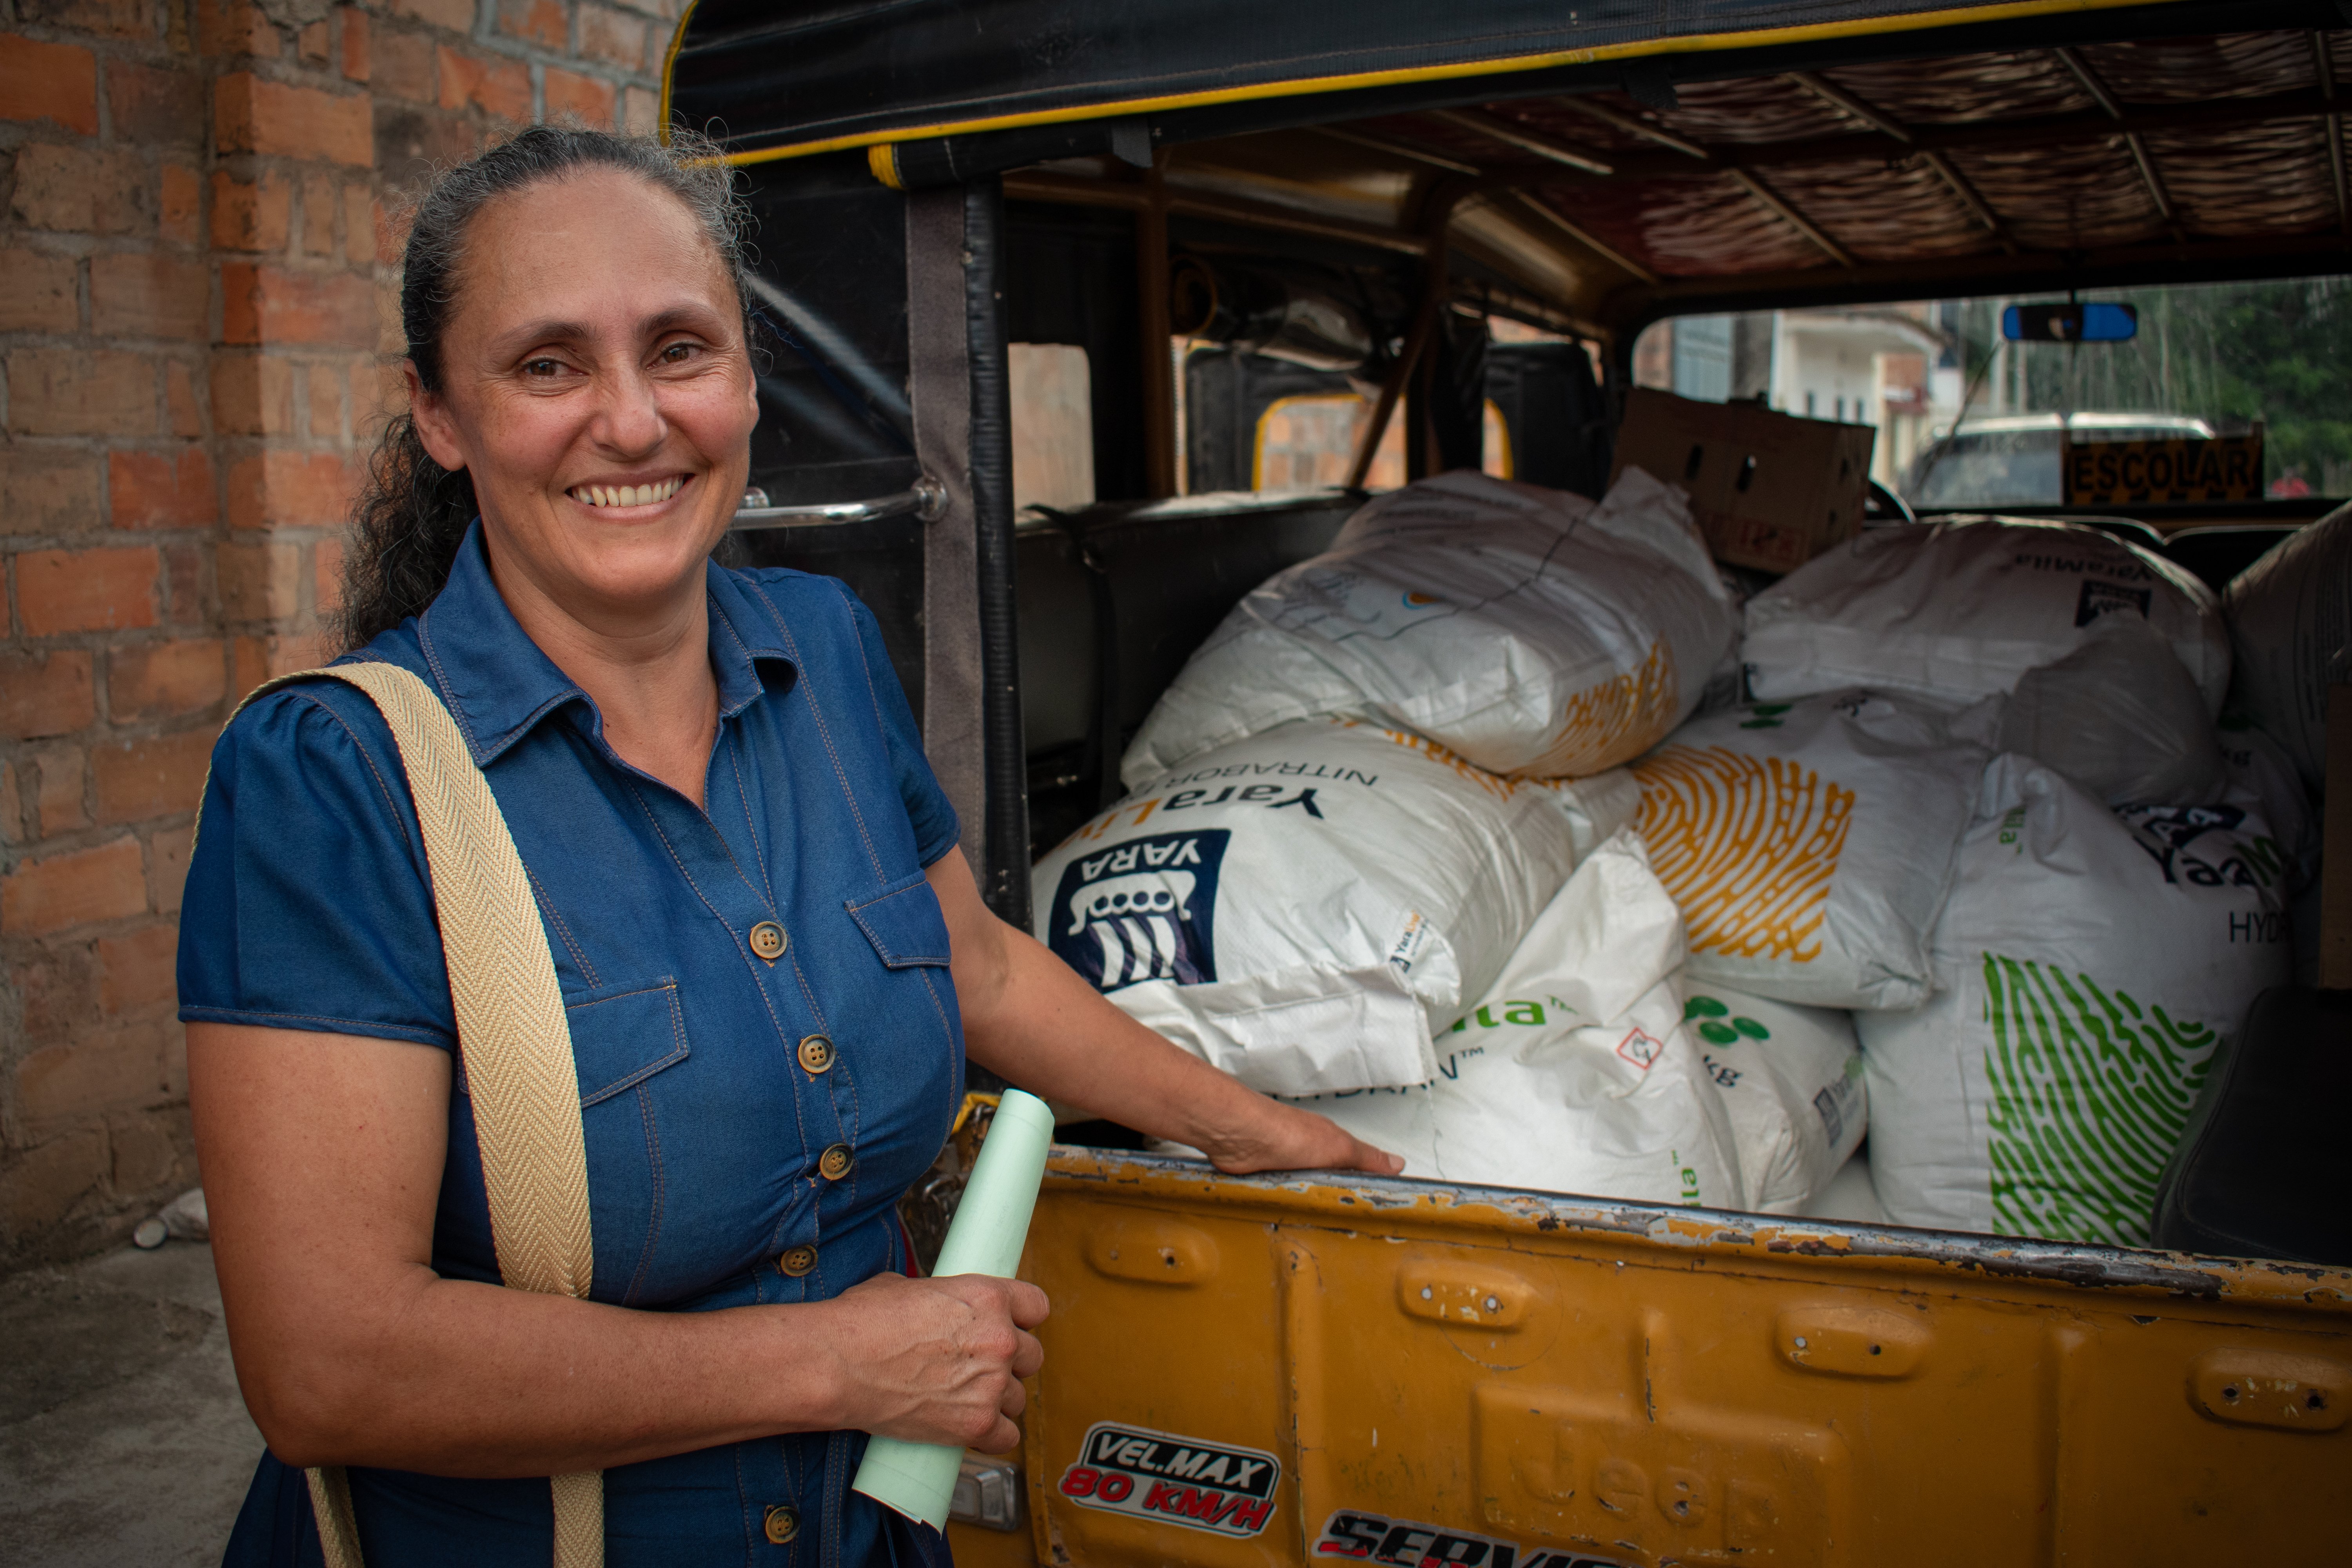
pixel 1252 1370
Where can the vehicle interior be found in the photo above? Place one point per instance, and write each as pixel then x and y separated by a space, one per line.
pixel 1462 271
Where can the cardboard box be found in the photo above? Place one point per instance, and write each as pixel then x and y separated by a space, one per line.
pixel 1770 490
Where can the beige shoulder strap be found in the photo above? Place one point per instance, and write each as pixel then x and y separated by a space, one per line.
pixel 515 1046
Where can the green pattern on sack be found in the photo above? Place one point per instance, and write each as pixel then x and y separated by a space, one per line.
pixel 2090 1092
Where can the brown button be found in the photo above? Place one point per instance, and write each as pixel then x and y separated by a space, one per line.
pixel 783 1522
pixel 816 1053
pixel 796 1261
pixel 834 1162
pixel 768 940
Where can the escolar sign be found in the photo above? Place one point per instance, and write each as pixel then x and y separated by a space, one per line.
pixel 1176 1481
pixel 2117 473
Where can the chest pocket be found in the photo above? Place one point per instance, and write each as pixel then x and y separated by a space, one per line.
pixel 623 1035
pixel 904 922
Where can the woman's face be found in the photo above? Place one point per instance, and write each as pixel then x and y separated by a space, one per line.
pixel 596 386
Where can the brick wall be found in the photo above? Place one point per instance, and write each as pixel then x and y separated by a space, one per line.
pixel 196 337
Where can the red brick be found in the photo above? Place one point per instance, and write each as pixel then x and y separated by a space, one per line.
pixel 182 410
pixel 540 22
pixel 113 1069
pixel 404 66
pixel 157 777
pixel 327 576
pixel 234 27
pixel 167 865
pixel 254 115
pixel 76 392
pixel 359 225
pixel 273 305
pixel 569 93
pixel 185 573
pixel 280 488
pixel 355 59
pixel 75 190
pixel 59 892
pixel 166 681
pixel 614 36
pixel 640 111
pixel 11 806
pixel 456 15
pixel 313 43
pixel 499 87
pixel 117 19
pixel 252 215
pixel 150 296
pixel 40 1191
pixel 63 799
pixel 41 295
pixel 158 489
pixel 260 582
pixel 252 395
pixel 179 215
pixel 86 590
pixel 260 658
pixel 150 1151
pixel 326 402
pixel 45 694
pixel 58 985
pixel 47 491
pixel 136 969
pixel 319 199
pixel 56 82
pixel 154 108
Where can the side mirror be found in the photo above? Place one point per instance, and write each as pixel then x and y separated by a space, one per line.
pixel 2060 321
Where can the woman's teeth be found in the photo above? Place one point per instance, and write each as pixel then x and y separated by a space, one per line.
pixel 628 495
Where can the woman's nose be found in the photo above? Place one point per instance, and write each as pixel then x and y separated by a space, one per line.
pixel 630 418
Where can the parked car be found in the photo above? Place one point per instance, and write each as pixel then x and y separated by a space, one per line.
pixel 2012 459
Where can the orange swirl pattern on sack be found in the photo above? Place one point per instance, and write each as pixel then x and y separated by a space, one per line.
pixel 1747 848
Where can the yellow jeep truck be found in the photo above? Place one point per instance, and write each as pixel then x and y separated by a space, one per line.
pixel 1242 263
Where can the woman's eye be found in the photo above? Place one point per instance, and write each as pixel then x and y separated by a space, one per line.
pixel 542 368
pixel 677 354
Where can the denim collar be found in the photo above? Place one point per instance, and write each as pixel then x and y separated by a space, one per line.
pixel 499 684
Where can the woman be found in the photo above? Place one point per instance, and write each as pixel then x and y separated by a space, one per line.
pixel 773 955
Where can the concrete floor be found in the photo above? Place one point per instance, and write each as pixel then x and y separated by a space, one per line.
pixel 123 1440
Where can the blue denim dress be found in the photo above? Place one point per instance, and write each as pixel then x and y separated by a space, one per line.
pixel 707 1108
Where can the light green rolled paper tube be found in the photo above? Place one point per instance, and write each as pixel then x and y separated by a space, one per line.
pixel 991 1224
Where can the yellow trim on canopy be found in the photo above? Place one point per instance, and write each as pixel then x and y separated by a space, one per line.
pixel 2010 10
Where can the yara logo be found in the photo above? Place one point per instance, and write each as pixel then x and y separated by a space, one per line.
pixel 1142 910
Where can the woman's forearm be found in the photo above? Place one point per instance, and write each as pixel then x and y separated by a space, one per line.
pixel 322 1159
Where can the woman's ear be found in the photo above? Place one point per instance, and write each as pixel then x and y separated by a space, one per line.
pixel 433 426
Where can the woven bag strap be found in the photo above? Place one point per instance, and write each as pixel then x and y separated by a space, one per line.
pixel 515 1046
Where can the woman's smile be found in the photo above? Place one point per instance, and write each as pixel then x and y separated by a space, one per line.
pixel 640 496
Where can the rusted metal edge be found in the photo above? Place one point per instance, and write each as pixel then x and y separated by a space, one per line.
pixel 1705 1233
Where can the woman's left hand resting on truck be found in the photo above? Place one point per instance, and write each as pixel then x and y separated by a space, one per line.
pixel 770 950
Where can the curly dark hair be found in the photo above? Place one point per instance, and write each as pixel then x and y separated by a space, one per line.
pixel 412 513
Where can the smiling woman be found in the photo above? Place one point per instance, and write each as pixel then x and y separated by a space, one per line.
pixel 769 954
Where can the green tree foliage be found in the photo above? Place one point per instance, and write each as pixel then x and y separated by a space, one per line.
pixel 2233 354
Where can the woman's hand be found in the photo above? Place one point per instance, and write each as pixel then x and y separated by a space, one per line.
pixel 1267 1135
pixel 939 1361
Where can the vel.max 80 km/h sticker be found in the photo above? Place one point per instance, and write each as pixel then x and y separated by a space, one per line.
pixel 1174 1480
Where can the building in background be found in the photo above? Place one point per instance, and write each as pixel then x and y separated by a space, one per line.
pixel 196 320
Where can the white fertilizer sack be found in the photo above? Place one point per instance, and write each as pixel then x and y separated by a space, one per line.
pixel 1574 1072
pixel 1961 610
pixel 2090 963
pixel 1525 629
pixel 2291 623
pixel 1793 1080
pixel 1809 843
pixel 1306 908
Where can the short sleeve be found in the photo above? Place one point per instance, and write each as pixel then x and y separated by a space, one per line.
pixel 936 828
pixel 309 902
